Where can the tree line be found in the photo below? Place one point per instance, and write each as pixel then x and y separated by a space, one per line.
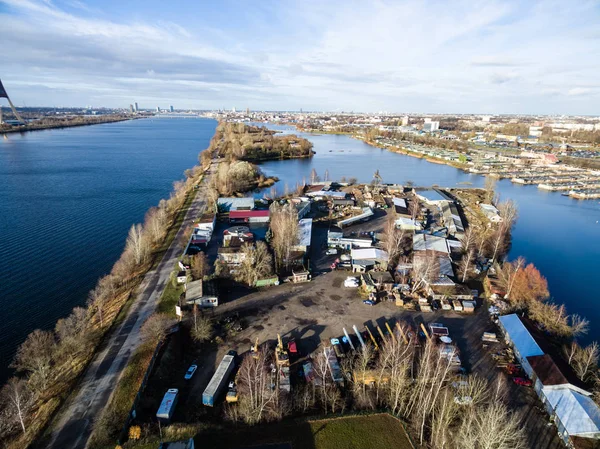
pixel 48 362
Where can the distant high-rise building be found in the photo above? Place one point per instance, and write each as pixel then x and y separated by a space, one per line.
pixel 247 111
pixel 4 94
pixel 430 126
pixel 131 108
pixel 157 108
pixel 136 107
pixel 300 110
pixel 171 108
pixel 405 120
pixel 233 109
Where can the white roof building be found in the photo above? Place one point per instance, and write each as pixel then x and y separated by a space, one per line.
pixel 369 254
pixel 576 414
pixel 426 242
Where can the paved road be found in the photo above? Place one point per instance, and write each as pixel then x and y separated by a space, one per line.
pixel 80 412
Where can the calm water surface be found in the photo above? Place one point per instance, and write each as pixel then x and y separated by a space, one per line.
pixel 67 200
pixel 560 235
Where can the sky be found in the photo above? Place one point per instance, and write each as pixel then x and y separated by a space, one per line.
pixel 445 56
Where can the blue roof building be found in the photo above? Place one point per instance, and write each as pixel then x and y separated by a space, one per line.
pixel 524 345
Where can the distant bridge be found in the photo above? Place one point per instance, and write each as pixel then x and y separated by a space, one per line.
pixel 177 116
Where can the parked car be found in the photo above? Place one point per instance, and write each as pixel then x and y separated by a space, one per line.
pixel 190 372
pixel 369 302
pixel 331 251
pixel 522 381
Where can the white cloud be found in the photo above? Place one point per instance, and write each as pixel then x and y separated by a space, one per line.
pixel 411 55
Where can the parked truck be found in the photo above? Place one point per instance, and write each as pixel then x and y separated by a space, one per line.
pixel 219 379
pixel 167 406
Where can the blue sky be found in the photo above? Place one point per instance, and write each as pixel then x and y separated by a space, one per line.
pixel 397 56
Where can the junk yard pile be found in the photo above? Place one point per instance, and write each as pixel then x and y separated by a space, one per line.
pixel 342 298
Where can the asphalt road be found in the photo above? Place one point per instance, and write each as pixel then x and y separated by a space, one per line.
pixel 78 415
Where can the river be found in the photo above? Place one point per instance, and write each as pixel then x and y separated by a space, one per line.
pixel 558 234
pixel 67 200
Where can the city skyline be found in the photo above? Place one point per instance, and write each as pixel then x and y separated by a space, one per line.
pixel 427 57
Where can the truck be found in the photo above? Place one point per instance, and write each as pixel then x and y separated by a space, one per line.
pixel 219 379
pixel 167 406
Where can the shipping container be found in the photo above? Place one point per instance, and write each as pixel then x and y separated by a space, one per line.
pixel 219 379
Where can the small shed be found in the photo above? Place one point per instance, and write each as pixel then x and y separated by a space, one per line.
pixel 204 294
pixel 300 276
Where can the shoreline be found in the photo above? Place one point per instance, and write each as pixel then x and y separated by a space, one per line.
pixel 27 128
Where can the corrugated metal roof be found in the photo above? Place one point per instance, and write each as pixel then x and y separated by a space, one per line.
pixel 577 413
pixel 520 336
pixel 369 254
pixel 236 203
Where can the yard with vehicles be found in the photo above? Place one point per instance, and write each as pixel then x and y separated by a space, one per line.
pixel 310 314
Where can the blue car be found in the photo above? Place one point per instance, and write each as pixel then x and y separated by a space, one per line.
pixel 369 302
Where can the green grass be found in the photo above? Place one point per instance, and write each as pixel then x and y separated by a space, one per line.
pixel 377 431
pixel 380 431
pixel 169 298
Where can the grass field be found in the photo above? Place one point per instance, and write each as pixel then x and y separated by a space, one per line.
pixel 381 431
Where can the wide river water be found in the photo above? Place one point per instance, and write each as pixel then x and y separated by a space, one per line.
pixel 68 198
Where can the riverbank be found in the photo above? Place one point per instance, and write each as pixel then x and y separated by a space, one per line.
pixel 61 123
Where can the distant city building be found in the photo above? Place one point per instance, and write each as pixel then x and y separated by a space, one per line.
pixel 136 107
pixel 485 118
pixel 430 126
pixel 171 108
pixel 233 110
pixel 405 120
pixel 131 108
pixel 157 108
pixel 247 111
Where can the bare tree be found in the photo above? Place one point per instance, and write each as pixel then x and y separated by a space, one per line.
pixel 314 177
pixel 585 361
pixel 501 238
pixel 490 190
pixel 203 327
pixel 18 400
pixel 137 244
pixel 395 362
pixel 71 332
pixel 156 223
pixel 259 397
pixel 199 266
pixel 393 238
pixel 426 267
pixel 35 357
pixel 507 274
pixel 468 248
pixel 256 264
pixel 492 426
pixel 284 227
pixel 156 326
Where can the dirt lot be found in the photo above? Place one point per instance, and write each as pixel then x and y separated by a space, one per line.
pixel 314 312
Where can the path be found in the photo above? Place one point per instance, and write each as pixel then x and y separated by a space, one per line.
pixel 80 412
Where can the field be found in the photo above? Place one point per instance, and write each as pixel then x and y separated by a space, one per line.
pixel 354 432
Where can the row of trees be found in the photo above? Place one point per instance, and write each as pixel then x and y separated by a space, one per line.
pixel 252 143
pixel 48 362
pixel 411 381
